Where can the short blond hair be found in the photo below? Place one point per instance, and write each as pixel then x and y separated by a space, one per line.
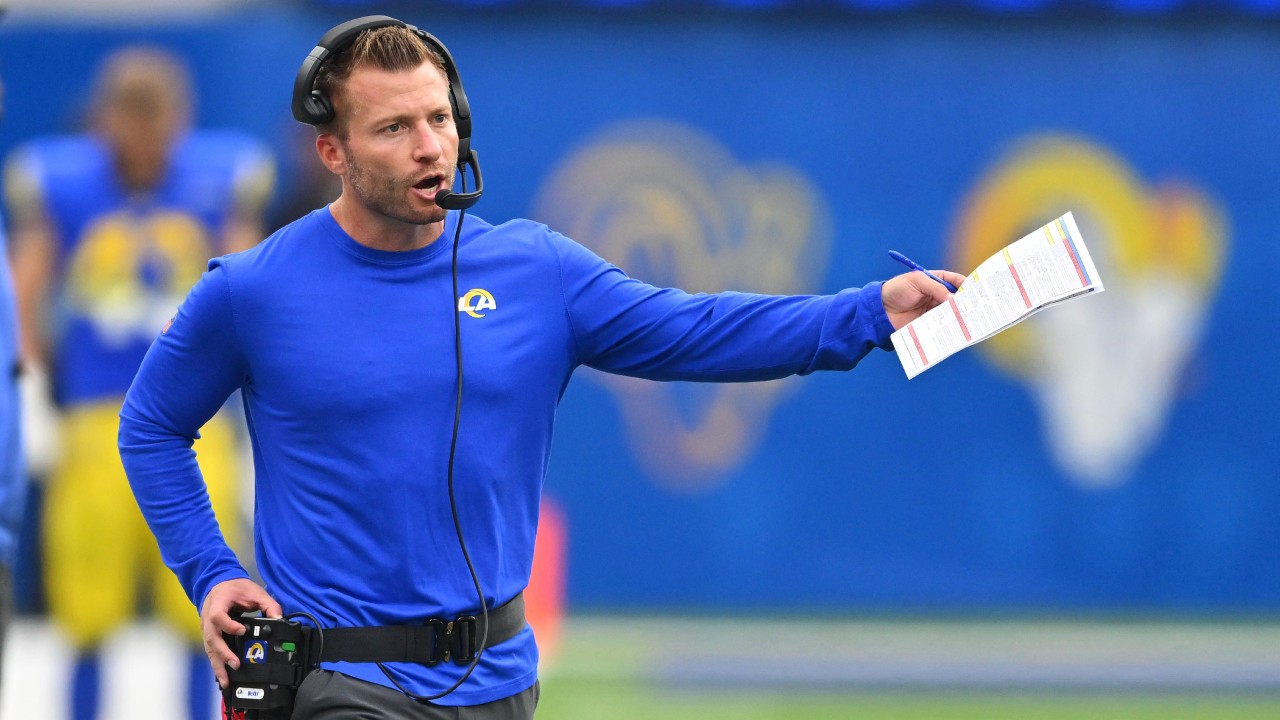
pixel 391 48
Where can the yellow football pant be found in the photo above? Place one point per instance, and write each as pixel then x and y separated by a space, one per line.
pixel 99 553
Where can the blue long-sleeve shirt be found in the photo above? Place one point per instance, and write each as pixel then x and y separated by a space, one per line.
pixel 345 356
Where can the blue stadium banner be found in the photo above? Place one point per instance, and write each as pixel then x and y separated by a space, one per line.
pixel 1115 454
pixel 1059 8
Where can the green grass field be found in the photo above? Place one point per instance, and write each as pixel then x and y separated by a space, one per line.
pixel 567 698
pixel 622 670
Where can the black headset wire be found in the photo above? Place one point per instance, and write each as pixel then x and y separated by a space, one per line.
pixel 453 503
pixel 319 630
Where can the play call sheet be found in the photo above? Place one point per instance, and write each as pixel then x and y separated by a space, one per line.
pixel 1047 266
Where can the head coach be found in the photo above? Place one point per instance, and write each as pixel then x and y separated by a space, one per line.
pixel 400 394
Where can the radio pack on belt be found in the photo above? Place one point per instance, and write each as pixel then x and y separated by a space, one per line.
pixel 275 655
pixel 274 658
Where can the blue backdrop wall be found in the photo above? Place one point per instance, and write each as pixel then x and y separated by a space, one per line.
pixel 1118 453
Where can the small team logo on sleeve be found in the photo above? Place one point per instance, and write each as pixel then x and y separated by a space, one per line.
pixel 475 302
pixel 164 330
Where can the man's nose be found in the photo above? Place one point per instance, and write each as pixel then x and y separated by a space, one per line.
pixel 427 146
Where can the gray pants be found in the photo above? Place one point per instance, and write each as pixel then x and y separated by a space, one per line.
pixel 327 695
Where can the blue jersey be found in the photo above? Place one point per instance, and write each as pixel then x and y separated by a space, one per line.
pixel 12 479
pixel 345 355
pixel 125 259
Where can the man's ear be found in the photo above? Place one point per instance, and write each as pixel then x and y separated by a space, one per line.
pixel 331 153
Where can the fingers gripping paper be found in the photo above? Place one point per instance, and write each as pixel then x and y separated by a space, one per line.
pixel 1049 266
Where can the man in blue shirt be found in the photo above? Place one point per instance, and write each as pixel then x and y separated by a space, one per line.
pixel 340 331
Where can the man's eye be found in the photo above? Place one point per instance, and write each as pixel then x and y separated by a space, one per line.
pixel 394 127
pixel 440 118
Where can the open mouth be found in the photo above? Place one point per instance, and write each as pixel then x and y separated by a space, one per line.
pixel 429 184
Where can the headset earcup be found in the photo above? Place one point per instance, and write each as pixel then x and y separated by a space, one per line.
pixel 318 108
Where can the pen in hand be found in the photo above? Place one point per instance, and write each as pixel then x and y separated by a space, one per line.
pixel 917 266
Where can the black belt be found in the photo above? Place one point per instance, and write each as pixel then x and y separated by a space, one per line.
pixel 429 643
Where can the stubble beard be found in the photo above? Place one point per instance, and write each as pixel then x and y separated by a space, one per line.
pixel 388 196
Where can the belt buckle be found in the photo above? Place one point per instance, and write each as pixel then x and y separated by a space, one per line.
pixel 440 641
pixel 452 640
pixel 462 633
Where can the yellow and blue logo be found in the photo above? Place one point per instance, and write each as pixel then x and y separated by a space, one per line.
pixel 256 652
pixel 673 207
pixel 129 271
pixel 476 301
pixel 1106 372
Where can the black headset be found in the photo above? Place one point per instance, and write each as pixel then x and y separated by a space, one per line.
pixel 313 107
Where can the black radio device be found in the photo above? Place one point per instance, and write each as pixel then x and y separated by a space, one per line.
pixel 275 655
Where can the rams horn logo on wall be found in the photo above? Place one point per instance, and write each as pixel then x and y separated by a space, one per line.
pixel 674 208
pixel 1104 375
pixel 475 302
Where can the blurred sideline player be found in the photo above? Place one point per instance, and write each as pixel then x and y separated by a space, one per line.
pixel 109 229
pixel 13 484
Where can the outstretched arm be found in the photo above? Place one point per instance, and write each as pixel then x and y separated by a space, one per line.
pixel 625 326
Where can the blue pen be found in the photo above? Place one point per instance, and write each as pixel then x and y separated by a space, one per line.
pixel 917 266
